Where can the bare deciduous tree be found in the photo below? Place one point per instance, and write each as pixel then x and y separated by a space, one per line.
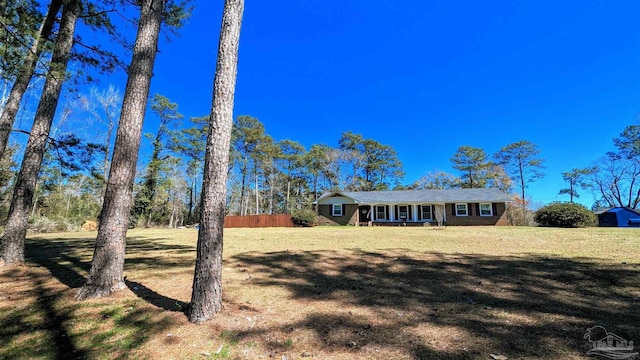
pixel 104 107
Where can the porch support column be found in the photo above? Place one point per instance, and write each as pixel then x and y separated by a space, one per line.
pixel 444 212
pixel 373 213
pixel 392 212
pixel 414 209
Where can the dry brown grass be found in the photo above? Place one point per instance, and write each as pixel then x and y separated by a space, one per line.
pixel 332 293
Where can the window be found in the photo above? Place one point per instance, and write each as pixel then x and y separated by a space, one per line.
pixel 426 212
pixel 486 210
pixel 381 212
pixel 403 212
pixel 461 210
pixel 337 210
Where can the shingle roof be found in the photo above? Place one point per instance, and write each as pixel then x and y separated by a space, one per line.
pixel 601 210
pixel 412 196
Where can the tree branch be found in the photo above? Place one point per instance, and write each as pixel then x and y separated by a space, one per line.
pixel 21 131
pixel 57 144
pixel 100 13
pixel 13 35
pixel 103 53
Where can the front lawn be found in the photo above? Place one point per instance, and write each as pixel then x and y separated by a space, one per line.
pixel 332 293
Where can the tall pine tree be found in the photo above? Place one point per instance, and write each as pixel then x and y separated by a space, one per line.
pixel 206 298
pixel 106 274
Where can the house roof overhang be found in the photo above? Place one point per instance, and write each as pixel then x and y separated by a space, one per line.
pixel 332 194
pixel 421 196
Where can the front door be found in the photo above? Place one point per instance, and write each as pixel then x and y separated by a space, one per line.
pixel 365 213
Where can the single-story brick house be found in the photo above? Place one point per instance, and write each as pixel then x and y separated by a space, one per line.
pixel 413 207
pixel 618 217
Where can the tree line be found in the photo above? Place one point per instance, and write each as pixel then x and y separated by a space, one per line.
pixel 265 176
pixel 613 179
pixel 269 176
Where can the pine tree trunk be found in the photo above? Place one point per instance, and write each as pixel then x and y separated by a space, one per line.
pixel 190 201
pixel 257 194
pixel 173 219
pixel 36 198
pixel 242 190
pixel 12 243
pixel 152 178
pixel 107 264
pixel 21 82
pixel 206 299
pixel 315 187
pixel 271 194
pixel 286 203
pixel 524 202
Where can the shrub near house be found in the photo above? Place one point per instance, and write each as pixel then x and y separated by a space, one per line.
pixel 304 218
pixel 565 215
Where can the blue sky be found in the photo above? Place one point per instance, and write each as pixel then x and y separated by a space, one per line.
pixel 424 76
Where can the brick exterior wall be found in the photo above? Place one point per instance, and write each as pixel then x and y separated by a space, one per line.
pixel 499 216
pixel 348 217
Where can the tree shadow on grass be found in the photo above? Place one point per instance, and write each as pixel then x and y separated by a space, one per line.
pixel 52 326
pixel 155 298
pixel 69 260
pixel 56 322
pixel 44 315
pixel 519 306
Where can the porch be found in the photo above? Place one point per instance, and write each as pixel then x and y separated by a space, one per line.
pixel 400 214
pixel 400 223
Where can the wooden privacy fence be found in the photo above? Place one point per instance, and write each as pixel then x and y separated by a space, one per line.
pixel 258 221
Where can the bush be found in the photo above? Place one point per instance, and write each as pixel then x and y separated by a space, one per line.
pixel 67 225
pixel 304 218
pixel 42 224
pixel 565 215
